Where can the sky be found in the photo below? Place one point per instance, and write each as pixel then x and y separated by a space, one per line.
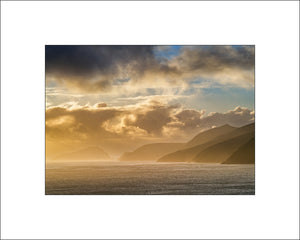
pixel 121 97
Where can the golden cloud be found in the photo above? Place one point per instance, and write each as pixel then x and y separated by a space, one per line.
pixel 143 122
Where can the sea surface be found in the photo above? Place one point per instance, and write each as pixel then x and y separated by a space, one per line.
pixel 136 178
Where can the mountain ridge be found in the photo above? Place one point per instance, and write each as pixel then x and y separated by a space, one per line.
pixel 188 154
pixel 245 154
pixel 212 146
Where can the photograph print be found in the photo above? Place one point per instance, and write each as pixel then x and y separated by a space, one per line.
pixel 150 119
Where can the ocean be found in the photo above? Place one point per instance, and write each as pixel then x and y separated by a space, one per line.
pixel 148 178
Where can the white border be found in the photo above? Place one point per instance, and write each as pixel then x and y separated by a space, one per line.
pixel 26 213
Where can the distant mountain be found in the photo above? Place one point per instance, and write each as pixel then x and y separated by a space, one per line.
pixel 197 144
pixel 209 135
pixel 208 139
pixel 244 154
pixel 184 155
pixel 219 152
pixel 90 153
pixel 151 152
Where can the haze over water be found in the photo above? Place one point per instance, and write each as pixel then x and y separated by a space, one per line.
pixel 136 178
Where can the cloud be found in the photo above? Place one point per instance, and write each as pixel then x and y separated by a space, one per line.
pixel 238 117
pixel 107 68
pixel 190 118
pixel 152 118
pixel 136 124
pixel 97 68
pixel 224 64
pixel 100 105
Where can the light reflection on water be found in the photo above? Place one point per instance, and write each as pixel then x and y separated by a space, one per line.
pixel 110 178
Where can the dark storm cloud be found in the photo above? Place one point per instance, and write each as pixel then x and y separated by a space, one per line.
pixel 85 60
pixel 96 68
pixel 214 58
